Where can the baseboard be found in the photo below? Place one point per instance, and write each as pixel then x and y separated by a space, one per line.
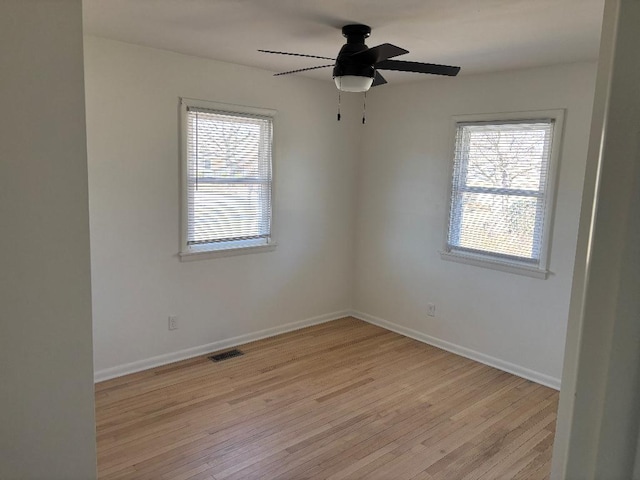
pixel 140 365
pixel 523 372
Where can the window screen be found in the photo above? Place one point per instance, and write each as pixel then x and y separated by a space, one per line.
pixel 228 179
pixel 500 182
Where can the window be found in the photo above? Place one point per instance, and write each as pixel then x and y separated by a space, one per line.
pixel 227 178
pixel 501 193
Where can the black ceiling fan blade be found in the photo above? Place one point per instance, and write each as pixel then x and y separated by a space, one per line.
pixel 295 54
pixel 378 53
pixel 378 80
pixel 301 70
pixel 418 67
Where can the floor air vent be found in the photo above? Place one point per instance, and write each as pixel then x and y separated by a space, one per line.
pixel 218 357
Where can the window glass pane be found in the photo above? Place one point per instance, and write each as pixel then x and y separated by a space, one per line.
pixel 503 224
pixel 224 146
pixel 499 188
pixel 228 178
pixel 507 156
pixel 224 211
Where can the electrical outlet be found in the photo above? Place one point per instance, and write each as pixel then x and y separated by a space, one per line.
pixel 173 322
pixel 431 309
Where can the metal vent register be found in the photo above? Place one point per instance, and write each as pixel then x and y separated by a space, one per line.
pixel 218 357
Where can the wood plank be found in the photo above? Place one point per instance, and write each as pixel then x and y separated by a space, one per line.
pixel 341 400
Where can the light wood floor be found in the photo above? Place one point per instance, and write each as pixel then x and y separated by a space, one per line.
pixel 340 400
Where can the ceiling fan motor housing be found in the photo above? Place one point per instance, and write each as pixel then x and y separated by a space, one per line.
pixel 356 33
pixel 345 68
pixel 345 64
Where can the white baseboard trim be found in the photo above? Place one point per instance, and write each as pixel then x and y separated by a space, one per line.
pixel 523 372
pixel 140 365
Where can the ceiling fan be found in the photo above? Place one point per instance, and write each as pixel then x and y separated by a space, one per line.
pixel 356 66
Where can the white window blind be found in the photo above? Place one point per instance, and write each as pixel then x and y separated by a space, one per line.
pixel 500 190
pixel 228 179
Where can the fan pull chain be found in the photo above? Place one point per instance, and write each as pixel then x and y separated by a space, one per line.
pixel 364 109
pixel 339 95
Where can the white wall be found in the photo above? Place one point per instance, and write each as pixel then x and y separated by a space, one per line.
pixel 46 376
pixel 405 172
pixel 393 269
pixel 132 122
pixel 599 412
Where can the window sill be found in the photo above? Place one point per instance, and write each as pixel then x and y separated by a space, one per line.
pixel 226 252
pixel 494 264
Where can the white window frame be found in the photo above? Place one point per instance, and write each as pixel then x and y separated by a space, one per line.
pixel 221 249
pixel 503 262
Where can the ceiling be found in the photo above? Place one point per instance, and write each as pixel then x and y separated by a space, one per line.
pixel 478 35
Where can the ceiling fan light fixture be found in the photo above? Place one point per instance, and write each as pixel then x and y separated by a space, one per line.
pixel 356 68
pixel 353 83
